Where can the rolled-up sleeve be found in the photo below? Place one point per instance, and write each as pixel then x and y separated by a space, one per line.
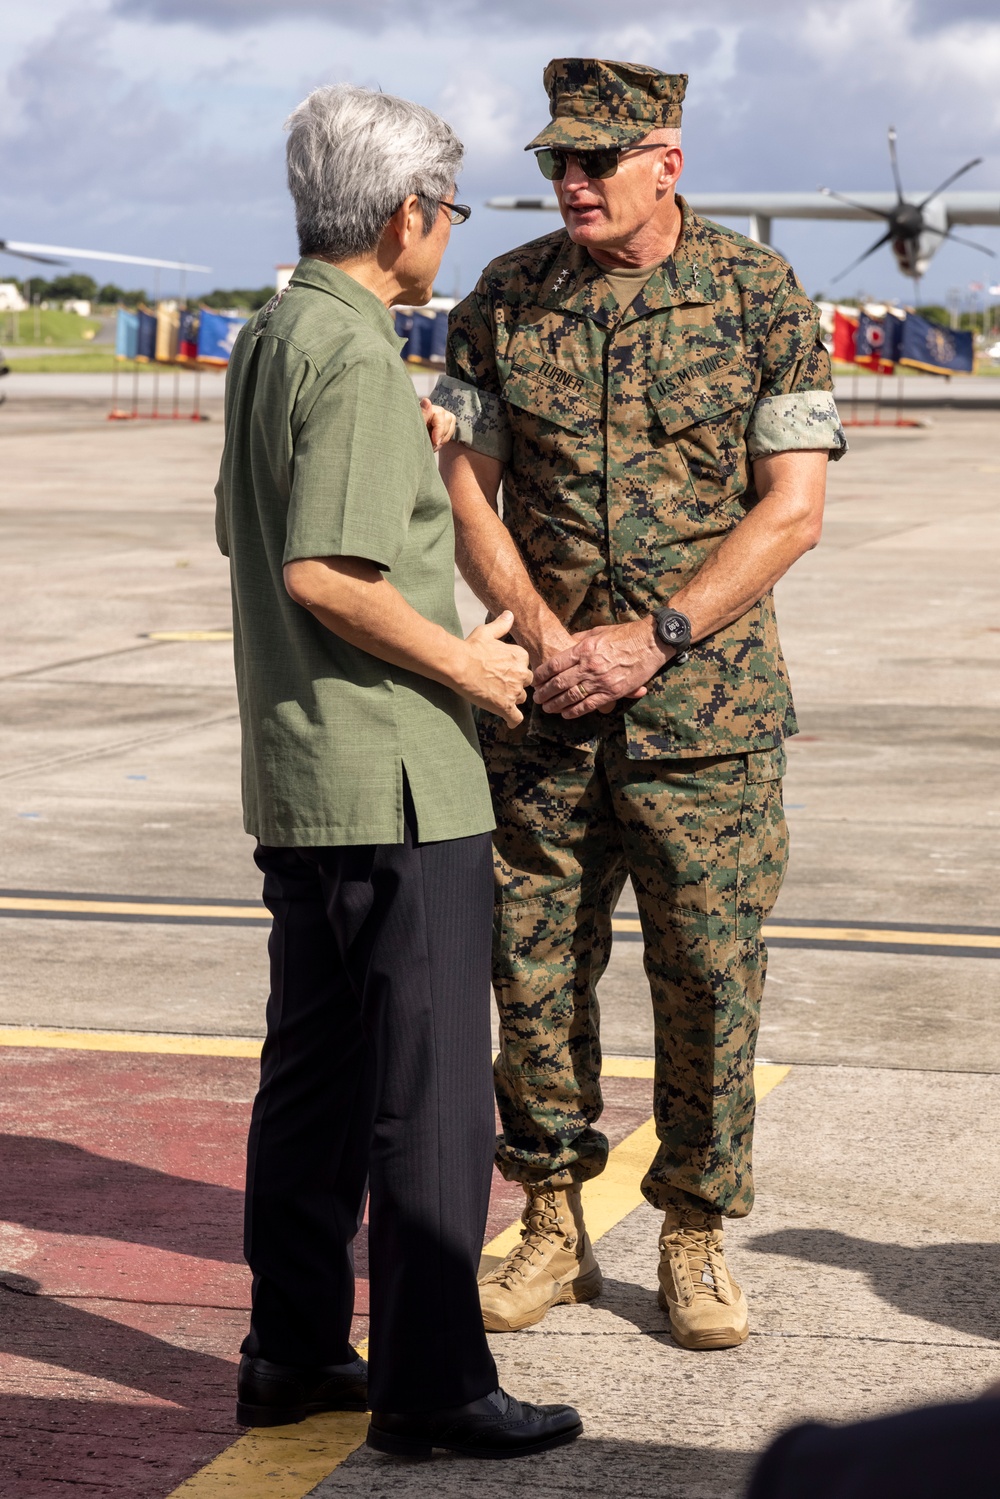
pixel 471 388
pixel 795 407
pixel 481 417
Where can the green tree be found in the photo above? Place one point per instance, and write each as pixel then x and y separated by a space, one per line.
pixel 110 294
pixel 75 285
pixel 248 298
pixel 934 314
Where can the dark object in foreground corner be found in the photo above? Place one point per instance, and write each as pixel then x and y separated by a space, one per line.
pixel 938 1452
pixel 496 1426
pixel 277 1395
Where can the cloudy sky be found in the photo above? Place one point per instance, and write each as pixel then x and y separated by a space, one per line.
pixel 155 126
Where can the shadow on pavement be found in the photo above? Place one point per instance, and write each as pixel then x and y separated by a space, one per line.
pixel 55 1187
pixel 953 1285
pixel 58 1432
pixel 633 1303
pixel 63 1336
pixel 592 1468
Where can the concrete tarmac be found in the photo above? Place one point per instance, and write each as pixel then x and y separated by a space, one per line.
pixel 871 1259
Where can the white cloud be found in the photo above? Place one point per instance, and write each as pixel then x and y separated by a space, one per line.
pixel 486 113
pixel 160 120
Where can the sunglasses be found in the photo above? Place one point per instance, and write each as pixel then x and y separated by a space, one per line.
pixel 600 162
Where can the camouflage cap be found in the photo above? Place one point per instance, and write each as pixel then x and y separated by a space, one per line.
pixel 599 103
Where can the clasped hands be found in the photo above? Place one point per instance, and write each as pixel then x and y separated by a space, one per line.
pixel 592 671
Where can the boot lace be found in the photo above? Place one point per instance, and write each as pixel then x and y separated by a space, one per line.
pixel 541 1220
pixel 706 1265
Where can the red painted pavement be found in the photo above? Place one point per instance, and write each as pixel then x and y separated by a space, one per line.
pixel 123 1293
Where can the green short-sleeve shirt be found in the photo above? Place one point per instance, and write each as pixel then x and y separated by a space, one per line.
pixel 327 455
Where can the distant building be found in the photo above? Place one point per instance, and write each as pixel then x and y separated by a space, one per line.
pixel 282 276
pixel 11 299
pixel 78 305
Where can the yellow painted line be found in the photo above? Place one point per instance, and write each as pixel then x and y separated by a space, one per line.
pixel 627 1067
pixel 138 1041
pixel 279 1462
pixel 854 934
pixel 880 934
pixel 85 906
pixel 189 635
pixel 286 1462
pixel 59 906
pixel 610 1197
pixel 210 1046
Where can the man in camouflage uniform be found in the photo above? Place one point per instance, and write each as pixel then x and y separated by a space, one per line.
pixel 652 391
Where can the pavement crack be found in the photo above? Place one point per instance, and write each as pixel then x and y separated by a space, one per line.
pixel 119 746
pixel 122 650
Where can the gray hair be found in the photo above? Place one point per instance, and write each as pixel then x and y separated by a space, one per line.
pixel 354 155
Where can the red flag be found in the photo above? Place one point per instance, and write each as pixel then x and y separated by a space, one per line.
pixel 844 333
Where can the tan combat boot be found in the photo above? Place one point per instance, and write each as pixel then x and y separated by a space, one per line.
pixel 554 1263
pixel 707 1309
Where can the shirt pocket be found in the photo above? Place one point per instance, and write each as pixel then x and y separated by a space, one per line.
pixel 555 395
pixel 682 403
pixel 706 420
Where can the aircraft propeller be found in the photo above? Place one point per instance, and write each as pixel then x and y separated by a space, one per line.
pixel 45 255
pixel 907 222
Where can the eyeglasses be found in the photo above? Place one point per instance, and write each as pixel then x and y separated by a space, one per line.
pixel 458 213
pixel 600 162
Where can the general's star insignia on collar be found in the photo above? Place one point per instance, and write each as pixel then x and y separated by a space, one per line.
pixel 557 283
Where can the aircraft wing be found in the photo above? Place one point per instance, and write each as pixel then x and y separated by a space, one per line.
pixel 20 247
pixel 961 208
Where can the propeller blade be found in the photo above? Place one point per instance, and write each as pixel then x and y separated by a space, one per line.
pixel 870 251
pixel 17 247
pixel 895 164
pixel 971 243
pixel 879 213
pixel 975 162
pixel 41 259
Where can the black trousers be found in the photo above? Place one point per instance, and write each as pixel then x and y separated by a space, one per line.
pixel 375 1073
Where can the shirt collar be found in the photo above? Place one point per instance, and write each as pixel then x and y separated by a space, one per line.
pixel 322 276
pixel 576 282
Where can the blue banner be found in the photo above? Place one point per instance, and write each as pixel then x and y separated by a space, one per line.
pixel 942 351
pixel 126 334
pixel 426 334
pixel 146 345
pixel 216 335
pixel 878 339
pixel 404 329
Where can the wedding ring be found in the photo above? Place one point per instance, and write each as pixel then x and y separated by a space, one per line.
pixel 581 692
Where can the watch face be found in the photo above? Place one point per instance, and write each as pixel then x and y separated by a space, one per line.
pixel 673 628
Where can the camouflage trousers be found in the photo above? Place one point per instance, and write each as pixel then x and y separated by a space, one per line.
pixel 705 844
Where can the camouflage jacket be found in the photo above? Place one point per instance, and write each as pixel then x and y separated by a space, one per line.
pixel 627 440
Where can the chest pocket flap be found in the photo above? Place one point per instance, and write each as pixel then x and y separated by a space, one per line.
pixel 556 395
pixel 701 391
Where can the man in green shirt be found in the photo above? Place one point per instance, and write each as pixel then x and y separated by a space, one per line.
pixel 363 784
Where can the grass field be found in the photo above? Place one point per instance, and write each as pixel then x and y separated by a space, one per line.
pixel 50 327
pixel 91 362
pixel 88 362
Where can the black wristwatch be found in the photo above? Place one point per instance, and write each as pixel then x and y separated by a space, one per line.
pixel 674 629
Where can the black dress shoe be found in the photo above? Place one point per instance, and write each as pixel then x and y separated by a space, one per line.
pixel 277 1395
pixel 495 1426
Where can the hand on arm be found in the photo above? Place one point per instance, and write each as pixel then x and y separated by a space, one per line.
pixel 488 558
pixel 614 661
pixel 441 424
pixel 352 598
